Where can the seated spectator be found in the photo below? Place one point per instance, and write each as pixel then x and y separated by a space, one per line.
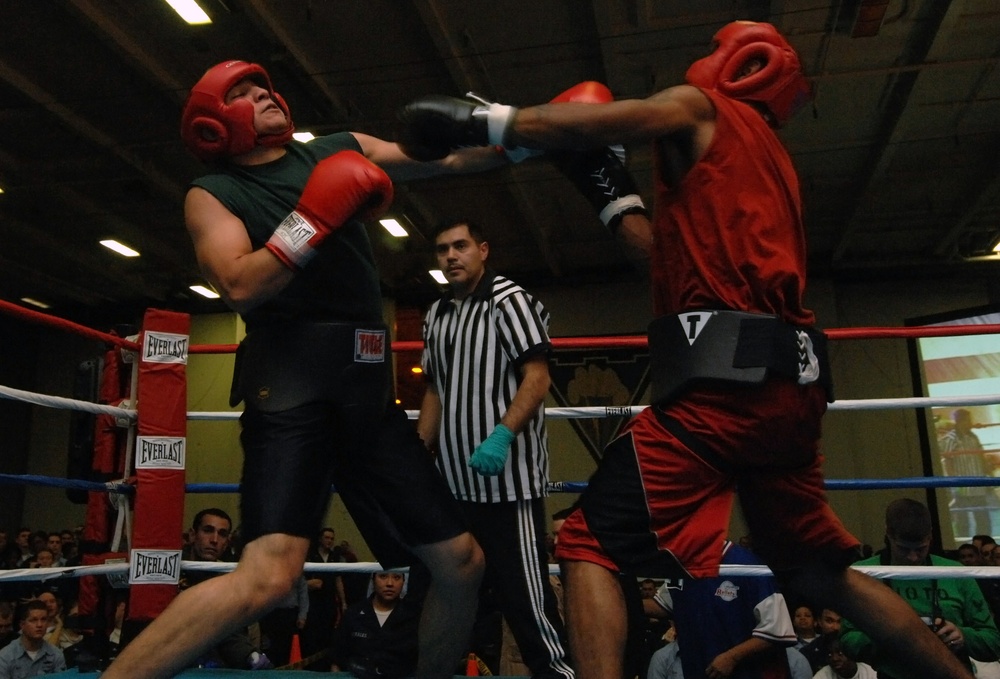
pixel 817 651
pixel 58 632
pixel 954 608
pixel 30 655
pixel 377 638
pixel 841 666
pixel 730 626
pixel 986 545
pixel 210 533
pixel 804 624
pixel 7 633
pixel 969 555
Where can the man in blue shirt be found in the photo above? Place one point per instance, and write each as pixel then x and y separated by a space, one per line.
pixel 30 655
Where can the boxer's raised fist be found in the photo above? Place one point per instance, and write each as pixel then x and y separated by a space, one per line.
pixel 340 187
pixel 431 127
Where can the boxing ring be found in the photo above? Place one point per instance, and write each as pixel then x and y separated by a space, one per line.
pixel 141 442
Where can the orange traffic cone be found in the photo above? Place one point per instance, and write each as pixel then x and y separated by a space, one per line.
pixel 295 654
pixel 471 666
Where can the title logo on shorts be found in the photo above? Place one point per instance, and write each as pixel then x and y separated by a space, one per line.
pixel 160 452
pixel 369 346
pixel 155 567
pixel 692 323
pixel 165 347
pixel 727 591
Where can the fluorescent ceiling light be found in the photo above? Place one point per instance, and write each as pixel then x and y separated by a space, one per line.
pixel 303 136
pixel 34 302
pixel 190 11
pixel 394 227
pixel 205 292
pixel 122 250
pixel 1 189
pixel 438 275
pixel 996 248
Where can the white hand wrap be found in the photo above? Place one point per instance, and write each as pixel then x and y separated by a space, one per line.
pixel 619 206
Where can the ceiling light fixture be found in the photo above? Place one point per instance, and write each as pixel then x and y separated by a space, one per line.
pixel 190 11
pixel 35 302
pixel 204 292
pixel 438 275
pixel 394 227
pixel 303 136
pixel 123 250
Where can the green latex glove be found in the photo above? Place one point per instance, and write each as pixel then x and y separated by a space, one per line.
pixel 490 456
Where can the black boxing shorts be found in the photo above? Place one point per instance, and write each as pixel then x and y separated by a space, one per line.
pixel 321 417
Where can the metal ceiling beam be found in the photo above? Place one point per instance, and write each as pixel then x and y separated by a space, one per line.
pixel 19 81
pixel 456 50
pixel 266 19
pixel 130 45
pixel 928 29
pixel 470 75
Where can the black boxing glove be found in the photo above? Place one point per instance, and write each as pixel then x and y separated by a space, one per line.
pixel 431 127
pixel 602 178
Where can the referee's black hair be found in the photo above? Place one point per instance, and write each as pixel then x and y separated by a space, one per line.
pixel 474 229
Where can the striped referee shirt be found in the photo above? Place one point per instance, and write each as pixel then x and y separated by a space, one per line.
pixel 473 349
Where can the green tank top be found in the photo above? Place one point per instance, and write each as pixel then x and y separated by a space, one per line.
pixel 341 283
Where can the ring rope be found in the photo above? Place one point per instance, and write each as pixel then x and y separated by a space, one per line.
pixel 896 572
pixel 124 488
pixel 56 322
pixel 586 412
pixel 117 412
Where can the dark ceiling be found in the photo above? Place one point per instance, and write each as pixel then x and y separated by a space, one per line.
pixel 898 157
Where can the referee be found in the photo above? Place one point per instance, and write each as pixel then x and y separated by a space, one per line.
pixel 486 346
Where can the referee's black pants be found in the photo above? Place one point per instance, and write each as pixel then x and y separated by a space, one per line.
pixel 512 535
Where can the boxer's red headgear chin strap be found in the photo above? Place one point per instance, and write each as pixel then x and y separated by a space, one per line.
pixel 212 129
pixel 779 85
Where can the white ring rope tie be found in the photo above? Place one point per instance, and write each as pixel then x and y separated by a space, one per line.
pixel 896 572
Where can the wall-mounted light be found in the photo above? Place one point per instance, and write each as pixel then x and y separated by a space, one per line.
pixel 416 370
pixel 123 250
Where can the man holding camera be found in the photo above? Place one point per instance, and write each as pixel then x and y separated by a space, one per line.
pixel 953 608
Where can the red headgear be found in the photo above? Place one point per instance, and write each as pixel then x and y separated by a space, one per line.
pixel 779 85
pixel 212 129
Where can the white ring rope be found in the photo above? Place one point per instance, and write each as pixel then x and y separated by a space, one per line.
pixel 581 412
pixel 895 572
pixel 67 403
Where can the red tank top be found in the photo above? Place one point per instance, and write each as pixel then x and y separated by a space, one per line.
pixel 730 236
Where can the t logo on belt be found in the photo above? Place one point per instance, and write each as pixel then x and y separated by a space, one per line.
pixel 693 323
pixel 369 346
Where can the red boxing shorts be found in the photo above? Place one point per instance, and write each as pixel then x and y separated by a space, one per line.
pixel 661 498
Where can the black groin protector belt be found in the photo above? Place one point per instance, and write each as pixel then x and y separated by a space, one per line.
pixel 732 347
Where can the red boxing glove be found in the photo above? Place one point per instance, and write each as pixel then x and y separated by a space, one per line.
pixel 599 175
pixel 587 92
pixel 342 186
